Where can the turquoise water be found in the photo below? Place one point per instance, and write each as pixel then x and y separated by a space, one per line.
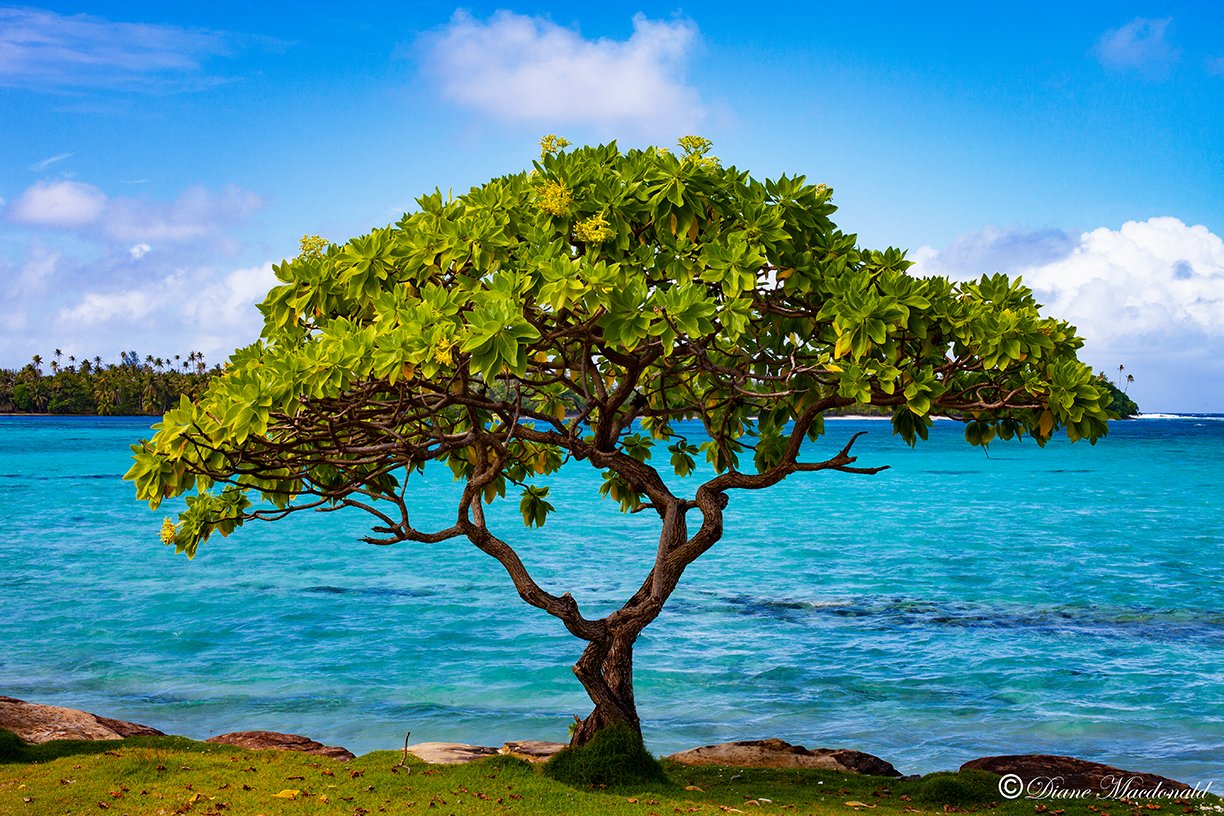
pixel 1067 600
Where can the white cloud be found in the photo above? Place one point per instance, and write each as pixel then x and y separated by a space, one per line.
pixel 1149 295
pixel 139 251
pixel 197 213
pixel 1140 45
pixel 43 50
pixel 97 308
pixel 38 269
pixel 58 204
pixel 519 68
pixel 194 308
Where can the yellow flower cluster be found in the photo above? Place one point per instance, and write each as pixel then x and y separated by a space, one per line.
pixel 167 531
pixel 555 198
pixel 594 230
pixel 695 150
pixel 312 246
pixel 698 145
pixel 552 143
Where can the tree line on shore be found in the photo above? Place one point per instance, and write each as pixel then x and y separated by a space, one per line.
pixel 63 384
pixel 149 386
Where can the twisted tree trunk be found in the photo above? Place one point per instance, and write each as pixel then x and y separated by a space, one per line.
pixel 606 672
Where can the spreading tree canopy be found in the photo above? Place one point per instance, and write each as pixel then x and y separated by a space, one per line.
pixel 575 314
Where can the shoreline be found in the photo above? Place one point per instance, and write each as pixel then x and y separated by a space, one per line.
pixel 37 723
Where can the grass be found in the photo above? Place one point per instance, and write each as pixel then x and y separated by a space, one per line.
pixel 171 775
pixel 615 756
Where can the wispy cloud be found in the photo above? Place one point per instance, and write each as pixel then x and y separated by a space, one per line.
pixel 38 167
pixel 83 208
pixel 197 213
pixel 1140 45
pixel 518 68
pixel 42 50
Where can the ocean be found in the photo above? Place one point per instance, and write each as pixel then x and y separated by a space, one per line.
pixel 960 604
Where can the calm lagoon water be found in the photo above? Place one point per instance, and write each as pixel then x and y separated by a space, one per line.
pixel 1067 600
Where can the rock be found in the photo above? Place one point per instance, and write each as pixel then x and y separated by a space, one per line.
pixel 532 750
pixel 1040 771
pixel 449 753
pixel 272 740
pixel 42 723
pixel 776 753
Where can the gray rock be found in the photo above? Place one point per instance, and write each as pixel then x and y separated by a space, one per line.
pixel 1068 773
pixel 42 723
pixel 276 741
pixel 449 753
pixel 776 753
pixel 532 750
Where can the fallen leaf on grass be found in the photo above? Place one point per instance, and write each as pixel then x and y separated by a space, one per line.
pixel 693 788
pixel 286 794
pixel 854 803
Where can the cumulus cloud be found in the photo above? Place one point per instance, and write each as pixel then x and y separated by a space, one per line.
pixel 1151 292
pixel 97 308
pixel 518 68
pixel 127 272
pixel 200 308
pixel 58 204
pixel 43 50
pixel 54 302
pixel 1139 45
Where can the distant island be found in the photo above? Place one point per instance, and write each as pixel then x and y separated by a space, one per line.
pixel 1121 404
pixel 134 386
pixel 149 386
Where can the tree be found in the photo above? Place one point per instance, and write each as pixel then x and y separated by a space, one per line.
pixel 575 313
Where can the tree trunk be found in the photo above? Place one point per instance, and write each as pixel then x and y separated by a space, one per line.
pixel 606 672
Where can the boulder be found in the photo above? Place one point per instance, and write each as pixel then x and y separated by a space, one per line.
pixel 776 753
pixel 41 723
pixel 532 750
pixel 1039 771
pixel 449 753
pixel 272 740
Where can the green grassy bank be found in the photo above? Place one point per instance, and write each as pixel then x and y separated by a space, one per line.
pixel 172 775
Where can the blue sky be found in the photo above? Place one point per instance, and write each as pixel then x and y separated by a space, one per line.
pixel 156 158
